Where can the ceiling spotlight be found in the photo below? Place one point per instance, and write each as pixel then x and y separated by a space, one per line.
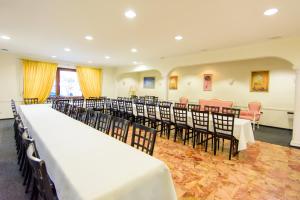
pixel 53 56
pixel 5 37
pixel 130 14
pixel 107 57
pixel 67 49
pixel 88 37
pixel 178 37
pixel 133 50
pixel 271 11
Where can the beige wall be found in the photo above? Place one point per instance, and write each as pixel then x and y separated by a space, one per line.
pixel 10 83
pixel 231 81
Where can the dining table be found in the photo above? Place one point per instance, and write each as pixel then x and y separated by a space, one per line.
pixel 86 164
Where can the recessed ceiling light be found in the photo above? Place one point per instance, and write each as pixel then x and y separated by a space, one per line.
pixel 5 37
pixel 133 50
pixel 178 37
pixel 130 14
pixel 88 37
pixel 53 56
pixel 90 61
pixel 107 57
pixel 271 11
pixel 67 49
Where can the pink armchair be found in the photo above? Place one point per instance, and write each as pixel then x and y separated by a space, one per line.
pixel 253 113
pixel 215 102
pixel 183 100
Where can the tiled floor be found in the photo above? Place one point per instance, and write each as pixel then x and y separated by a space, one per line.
pixel 263 171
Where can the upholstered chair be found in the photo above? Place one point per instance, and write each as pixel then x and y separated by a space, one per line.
pixel 253 113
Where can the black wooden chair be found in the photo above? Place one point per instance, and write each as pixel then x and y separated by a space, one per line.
pixel 78 102
pixel 166 120
pixel 212 109
pixel 194 107
pixel 42 185
pixel 81 114
pixel 91 118
pixel 119 129
pixel 235 111
pixel 31 100
pixel 103 122
pixel 153 122
pixel 74 112
pixel 121 108
pixel 180 105
pixel 129 115
pixel 115 108
pixel 181 125
pixel 90 103
pixel 201 128
pixel 140 113
pixel 143 138
pixel 99 105
pixel 108 108
pixel 223 129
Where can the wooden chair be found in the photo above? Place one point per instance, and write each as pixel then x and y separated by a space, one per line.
pixel 236 112
pixel 121 108
pixel 201 128
pixel 91 118
pixel 108 107
pixel 31 100
pixel 115 108
pixel 99 105
pixel 212 109
pixel 78 102
pixel 143 138
pixel 194 107
pixel 81 114
pixel 119 129
pixel 103 122
pixel 129 115
pixel 165 119
pixel 181 125
pixel 153 122
pixel 223 129
pixel 90 103
pixel 140 113
pixel 42 185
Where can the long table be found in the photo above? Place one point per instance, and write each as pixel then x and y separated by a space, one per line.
pixel 86 164
pixel 242 128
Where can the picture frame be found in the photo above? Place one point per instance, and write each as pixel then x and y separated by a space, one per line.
pixel 259 81
pixel 149 82
pixel 173 83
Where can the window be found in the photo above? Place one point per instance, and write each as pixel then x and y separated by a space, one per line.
pixel 66 83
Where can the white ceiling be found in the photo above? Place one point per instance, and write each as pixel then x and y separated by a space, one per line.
pixel 42 28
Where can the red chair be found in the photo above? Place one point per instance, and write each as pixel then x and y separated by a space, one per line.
pixel 253 113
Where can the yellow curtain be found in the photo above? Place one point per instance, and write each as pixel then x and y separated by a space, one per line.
pixel 90 81
pixel 38 79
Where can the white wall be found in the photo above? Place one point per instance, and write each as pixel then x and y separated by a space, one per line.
pixel 109 82
pixel 11 85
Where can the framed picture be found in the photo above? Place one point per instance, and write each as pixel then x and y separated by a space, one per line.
pixel 149 82
pixel 173 83
pixel 259 81
pixel 207 82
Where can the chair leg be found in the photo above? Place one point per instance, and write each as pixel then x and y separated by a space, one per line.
pixel 175 134
pixel 230 149
pixel 215 145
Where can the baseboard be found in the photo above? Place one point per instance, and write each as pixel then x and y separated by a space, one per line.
pixel 295 144
pixel 289 129
pixel 6 118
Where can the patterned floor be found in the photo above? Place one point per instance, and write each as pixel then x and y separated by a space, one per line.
pixel 264 171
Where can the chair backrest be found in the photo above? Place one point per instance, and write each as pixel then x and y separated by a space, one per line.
pixel 81 114
pixel 140 109
pixel 212 109
pixel 31 100
pixel 143 138
pixel 78 102
pixel 141 100
pixel 180 105
pixel 129 107
pixel 223 123
pixel 90 103
pixel 74 112
pixel 108 103
pixel 91 118
pixel 114 104
pixel 180 115
pixel 103 122
pixel 200 119
pixel 119 128
pixel 121 105
pixel 194 107
pixel 235 111
pixel 165 103
pixel 151 111
pixel 165 113
pixel 99 103
pixel 254 106
pixel 39 173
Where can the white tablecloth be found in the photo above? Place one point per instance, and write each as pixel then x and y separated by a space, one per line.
pixel 86 164
pixel 242 128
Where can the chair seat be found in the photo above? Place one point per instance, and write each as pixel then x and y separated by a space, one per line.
pixel 186 126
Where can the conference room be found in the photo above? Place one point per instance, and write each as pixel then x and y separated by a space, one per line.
pixel 149 100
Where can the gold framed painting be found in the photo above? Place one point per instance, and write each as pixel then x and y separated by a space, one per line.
pixel 173 83
pixel 259 81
